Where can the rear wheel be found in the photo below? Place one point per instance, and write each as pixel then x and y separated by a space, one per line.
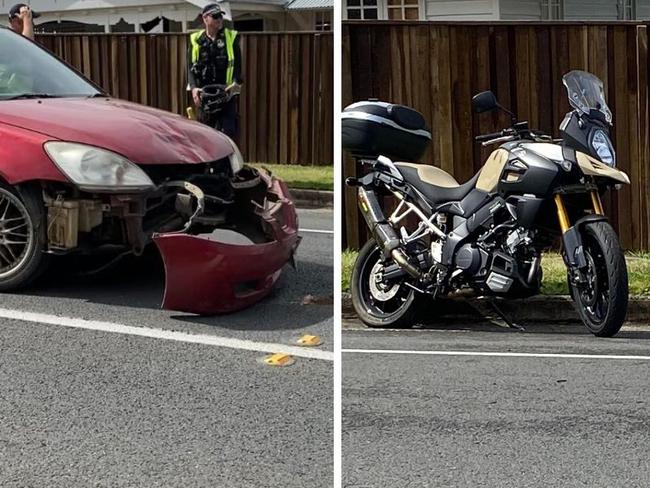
pixel 22 236
pixel 602 300
pixel 378 304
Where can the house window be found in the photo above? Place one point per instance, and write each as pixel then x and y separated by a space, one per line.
pixel 403 9
pixel 552 9
pixel 626 9
pixel 362 9
pixel 323 21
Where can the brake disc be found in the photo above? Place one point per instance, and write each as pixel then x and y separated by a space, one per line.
pixel 591 291
pixel 378 289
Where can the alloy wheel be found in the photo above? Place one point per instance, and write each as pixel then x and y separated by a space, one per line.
pixel 16 233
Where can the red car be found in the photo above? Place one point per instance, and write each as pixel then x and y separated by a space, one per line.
pixel 81 172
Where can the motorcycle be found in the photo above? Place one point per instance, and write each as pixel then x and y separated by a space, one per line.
pixel 488 234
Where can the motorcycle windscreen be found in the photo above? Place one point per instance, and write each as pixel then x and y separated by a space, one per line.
pixel 586 92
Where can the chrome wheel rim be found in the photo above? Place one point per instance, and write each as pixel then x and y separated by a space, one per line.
pixel 374 306
pixel 16 234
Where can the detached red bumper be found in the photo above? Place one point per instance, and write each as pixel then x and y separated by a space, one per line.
pixel 205 276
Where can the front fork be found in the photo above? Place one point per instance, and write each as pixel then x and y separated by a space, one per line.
pixel 598 205
pixel 563 216
pixel 573 248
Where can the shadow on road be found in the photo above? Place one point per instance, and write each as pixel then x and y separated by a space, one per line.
pixel 458 314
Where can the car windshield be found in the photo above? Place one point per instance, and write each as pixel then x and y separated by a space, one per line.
pixel 586 93
pixel 27 70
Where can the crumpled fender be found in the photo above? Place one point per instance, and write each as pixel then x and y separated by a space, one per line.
pixel 205 276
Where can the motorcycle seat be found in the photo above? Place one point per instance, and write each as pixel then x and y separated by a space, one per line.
pixel 434 183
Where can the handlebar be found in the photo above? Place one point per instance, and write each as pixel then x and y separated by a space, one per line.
pixel 498 140
pixel 487 137
pixel 519 131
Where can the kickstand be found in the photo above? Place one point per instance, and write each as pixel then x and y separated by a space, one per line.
pixel 503 316
pixel 486 305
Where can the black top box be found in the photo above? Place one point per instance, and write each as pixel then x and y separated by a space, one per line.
pixel 373 128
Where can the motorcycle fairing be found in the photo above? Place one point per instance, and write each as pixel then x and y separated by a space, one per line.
pixel 592 167
pixel 207 276
pixel 491 171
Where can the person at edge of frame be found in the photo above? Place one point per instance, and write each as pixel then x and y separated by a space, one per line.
pixel 214 58
pixel 21 20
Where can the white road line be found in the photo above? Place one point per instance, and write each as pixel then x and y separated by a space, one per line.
pixel 316 231
pixel 170 335
pixel 494 354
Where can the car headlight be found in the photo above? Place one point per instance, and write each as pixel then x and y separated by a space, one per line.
pixel 235 158
pixel 603 147
pixel 94 169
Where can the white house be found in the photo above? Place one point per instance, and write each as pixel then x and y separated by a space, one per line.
pixel 454 10
pixel 176 15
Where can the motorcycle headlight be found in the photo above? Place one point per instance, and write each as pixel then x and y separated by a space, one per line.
pixel 602 145
pixel 94 169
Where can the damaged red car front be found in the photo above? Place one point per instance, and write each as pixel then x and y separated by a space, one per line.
pixel 86 173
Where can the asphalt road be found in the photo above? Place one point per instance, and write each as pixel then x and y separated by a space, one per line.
pixel 93 408
pixel 426 416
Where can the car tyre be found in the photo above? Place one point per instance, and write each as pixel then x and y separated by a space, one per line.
pixel 23 236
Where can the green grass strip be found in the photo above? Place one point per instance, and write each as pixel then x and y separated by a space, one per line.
pixel 554 282
pixel 303 177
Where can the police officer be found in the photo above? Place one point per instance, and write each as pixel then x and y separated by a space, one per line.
pixel 21 20
pixel 214 57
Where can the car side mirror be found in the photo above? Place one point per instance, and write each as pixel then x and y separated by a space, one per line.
pixel 484 102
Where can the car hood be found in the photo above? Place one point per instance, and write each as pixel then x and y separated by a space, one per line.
pixel 143 135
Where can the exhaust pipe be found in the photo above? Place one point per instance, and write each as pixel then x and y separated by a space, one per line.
pixel 383 232
pixel 534 266
pixel 400 258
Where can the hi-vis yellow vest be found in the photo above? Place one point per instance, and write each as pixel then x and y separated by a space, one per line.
pixel 230 36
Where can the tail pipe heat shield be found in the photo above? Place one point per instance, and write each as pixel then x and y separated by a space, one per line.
pixel 383 232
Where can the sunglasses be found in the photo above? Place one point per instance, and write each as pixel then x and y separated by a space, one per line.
pixel 216 16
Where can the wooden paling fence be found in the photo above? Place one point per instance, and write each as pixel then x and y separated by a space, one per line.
pixel 437 68
pixel 286 104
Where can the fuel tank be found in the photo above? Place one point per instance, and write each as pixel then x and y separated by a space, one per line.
pixel 526 168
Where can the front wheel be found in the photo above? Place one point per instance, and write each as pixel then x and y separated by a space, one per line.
pixel 602 299
pixel 22 236
pixel 379 304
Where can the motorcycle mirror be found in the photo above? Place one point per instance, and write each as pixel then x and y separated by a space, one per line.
pixel 484 102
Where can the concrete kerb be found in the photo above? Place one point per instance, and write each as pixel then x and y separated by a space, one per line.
pixel 542 308
pixel 312 198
